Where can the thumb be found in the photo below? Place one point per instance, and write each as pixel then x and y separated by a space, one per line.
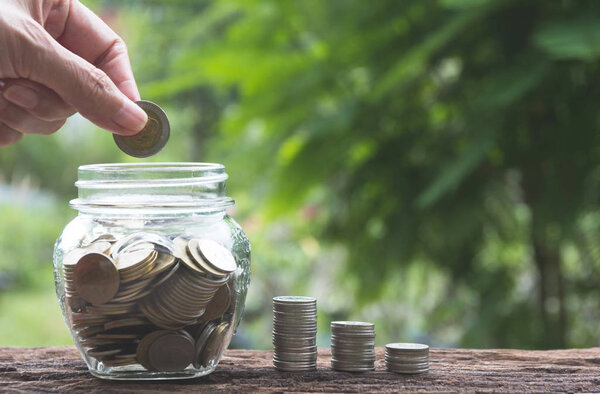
pixel 87 88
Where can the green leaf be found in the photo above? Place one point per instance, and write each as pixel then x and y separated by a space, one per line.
pixel 574 39
pixel 453 175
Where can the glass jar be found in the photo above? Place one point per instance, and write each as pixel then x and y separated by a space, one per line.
pixel 152 274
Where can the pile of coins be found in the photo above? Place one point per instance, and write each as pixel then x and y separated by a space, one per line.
pixel 294 333
pixel 407 358
pixel 148 299
pixel 352 346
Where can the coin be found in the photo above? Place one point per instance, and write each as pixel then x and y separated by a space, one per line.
pixel 127 322
pixel 214 254
pixel 201 341
pixel 219 304
pixel 181 252
pixel 161 289
pixel 407 358
pixel 171 352
pixel 96 278
pixel 152 138
pixel 215 345
pixel 163 262
pixel 352 346
pixel 144 345
pixel 135 264
pixel 294 333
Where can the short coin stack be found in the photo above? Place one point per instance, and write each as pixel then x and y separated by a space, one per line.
pixel 407 358
pixel 146 298
pixel 352 346
pixel 294 333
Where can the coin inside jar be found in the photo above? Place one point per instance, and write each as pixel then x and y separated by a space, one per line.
pixel 152 138
pixel 171 352
pixel 219 258
pixel 96 278
pixel 214 345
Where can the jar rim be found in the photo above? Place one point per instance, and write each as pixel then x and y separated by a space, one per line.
pixel 163 186
pixel 151 166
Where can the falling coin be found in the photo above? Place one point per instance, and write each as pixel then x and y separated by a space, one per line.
pixel 152 138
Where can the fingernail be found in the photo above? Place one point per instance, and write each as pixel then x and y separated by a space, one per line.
pixel 131 117
pixel 22 96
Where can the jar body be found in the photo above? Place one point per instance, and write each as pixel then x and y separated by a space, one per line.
pixel 152 294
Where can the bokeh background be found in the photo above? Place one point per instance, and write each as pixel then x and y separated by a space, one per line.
pixel 431 166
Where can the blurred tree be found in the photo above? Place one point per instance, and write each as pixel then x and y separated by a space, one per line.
pixel 452 136
pixel 422 131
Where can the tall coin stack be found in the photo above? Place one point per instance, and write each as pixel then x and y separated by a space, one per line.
pixel 352 346
pixel 407 358
pixel 294 333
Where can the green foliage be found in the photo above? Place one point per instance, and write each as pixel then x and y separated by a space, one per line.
pixel 432 166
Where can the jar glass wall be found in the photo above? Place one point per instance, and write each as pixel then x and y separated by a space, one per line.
pixel 152 274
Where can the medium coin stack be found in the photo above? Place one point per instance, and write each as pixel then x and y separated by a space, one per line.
pixel 352 346
pixel 129 300
pixel 294 333
pixel 407 358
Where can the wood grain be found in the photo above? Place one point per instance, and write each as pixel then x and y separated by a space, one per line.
pixel 60 369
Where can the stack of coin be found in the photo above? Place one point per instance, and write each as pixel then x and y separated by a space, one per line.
pixel 128 300
pixel 294 333
pixel 407 358
pixel 182 300
pixel 352 346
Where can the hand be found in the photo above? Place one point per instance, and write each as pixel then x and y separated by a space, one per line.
pixel 57 58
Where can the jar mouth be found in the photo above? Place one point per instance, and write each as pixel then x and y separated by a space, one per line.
pixel 159 186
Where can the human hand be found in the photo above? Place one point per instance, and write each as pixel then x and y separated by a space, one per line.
pixel 57 58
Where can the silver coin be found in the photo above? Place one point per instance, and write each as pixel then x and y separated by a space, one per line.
pixel 216 255
pixel 406 347
pixel 152 138
pixel 294 300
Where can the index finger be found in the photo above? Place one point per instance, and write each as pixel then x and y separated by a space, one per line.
pixel 86 35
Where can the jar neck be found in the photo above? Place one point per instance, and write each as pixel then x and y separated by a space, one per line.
pixel 151 189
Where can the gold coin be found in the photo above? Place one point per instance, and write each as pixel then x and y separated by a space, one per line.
pixel 216 344
pixel 162 279
pixel 97 247
pixel 129 260
pixel 127 322
pixel 90 330
pixel 181 252
pixel 101 353
pixel 171 352
pixel 132 297
pixel 142 348
pixel 96 278
pixel 219 304
pixel 133 287
pixel 112 309
pixel 163 262
pixel 194 251
pixel 76 303
pixel 152 138
pixel 116 336
pixel 216 255
pixel 201 342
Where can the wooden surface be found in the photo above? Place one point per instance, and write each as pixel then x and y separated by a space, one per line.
pixel 61 369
